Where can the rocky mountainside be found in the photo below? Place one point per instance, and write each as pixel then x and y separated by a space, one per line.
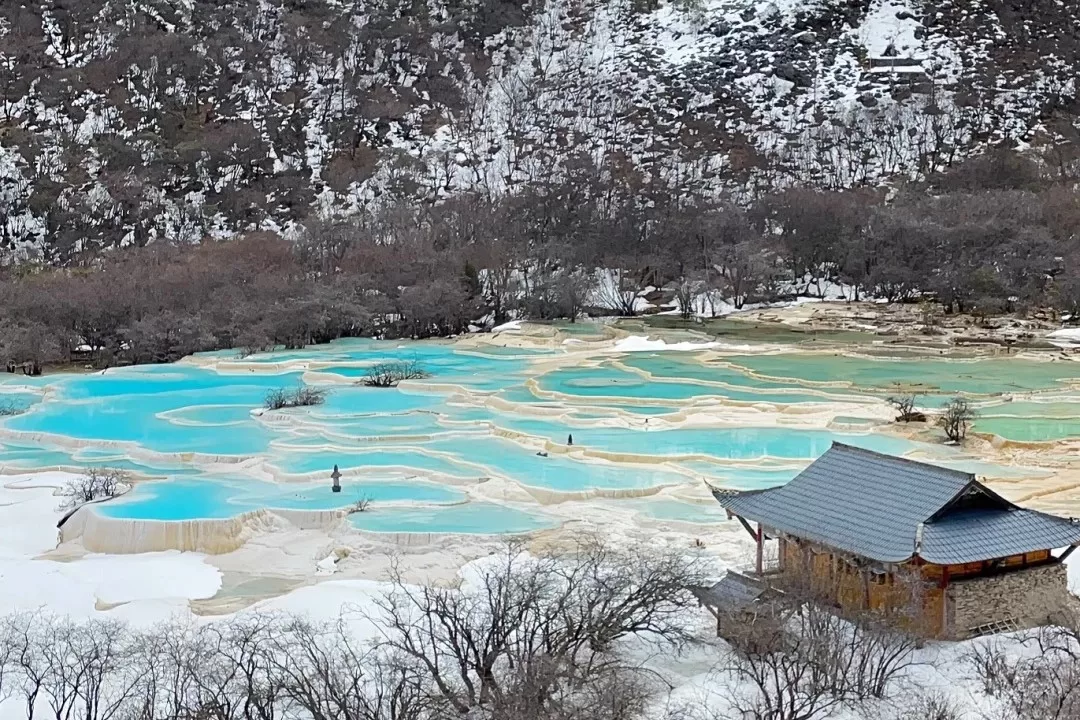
pixel 127 121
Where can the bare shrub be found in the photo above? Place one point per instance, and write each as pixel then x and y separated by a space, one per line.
pixel 299 396
pixel 80 670
pixel 533 639
pixel 931 706
pixel 905 408
pixel 795 659
pixel 361 505
pixel 94 484
pixel 389 374
pixel 323 672
pixel 618 292
pixel 307 395
pixel 277 398
pixel 532 633
pixel 955 419
pixel 990 662
pixel 1037 678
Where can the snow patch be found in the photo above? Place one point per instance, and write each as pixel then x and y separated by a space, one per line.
pixel 1065 337
pixel 640 343
pixel 512 325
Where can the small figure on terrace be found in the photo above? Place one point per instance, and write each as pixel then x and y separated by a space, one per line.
pixel 570 439
pixel 336 477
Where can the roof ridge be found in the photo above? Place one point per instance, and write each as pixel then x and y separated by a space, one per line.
pixel 899 458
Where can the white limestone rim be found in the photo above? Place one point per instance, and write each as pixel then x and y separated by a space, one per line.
pixel 425 539
pixel 133 450
pixel 103 534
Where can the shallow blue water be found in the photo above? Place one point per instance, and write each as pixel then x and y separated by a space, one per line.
pixel 471 519
pixel 741 478
pixel 18 457
pixel 611 382
pixel 554 472
pixel 418 461
pixel 664 509
pixel 204 499
pixel 450 428
pixel 724 443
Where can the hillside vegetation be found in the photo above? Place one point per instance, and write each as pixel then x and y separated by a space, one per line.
pixel 410 168
pixel 123 121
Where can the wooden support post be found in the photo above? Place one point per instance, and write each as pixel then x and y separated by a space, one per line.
pixel 946 631
pixel 1067 553
pixel 760 563
pixel 746 525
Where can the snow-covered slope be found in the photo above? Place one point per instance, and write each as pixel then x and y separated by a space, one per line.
pixel 122 121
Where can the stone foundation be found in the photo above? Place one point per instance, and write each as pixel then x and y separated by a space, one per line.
pixel 1029 596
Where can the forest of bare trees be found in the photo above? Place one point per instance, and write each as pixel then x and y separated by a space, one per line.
pixel 530 638
pixel 993 235
pixel 588 633
pixel 195 176
pixel 130 122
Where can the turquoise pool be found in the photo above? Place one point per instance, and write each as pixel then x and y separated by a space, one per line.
pixel 219 498
pixel 987 376
pixel 678 511
pixel 418 451
pixel 468 519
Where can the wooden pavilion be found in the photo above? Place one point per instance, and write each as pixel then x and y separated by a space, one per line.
pixel 864 530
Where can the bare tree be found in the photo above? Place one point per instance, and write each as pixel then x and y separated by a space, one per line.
pixel 687 290
pixel 389 374
pixel 780 672
pixel 82 670
pixel 243 676
pixel 27 668
pixel 1038 679
pixel 618 291
pixel 326 674
pixel 905 407
pixel 168 663
pixel 299 396
pixel 89 676
pixel 955 418
pixel 94 484
pixel 540 631
pixel 793 658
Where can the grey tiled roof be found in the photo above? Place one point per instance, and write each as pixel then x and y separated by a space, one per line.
pixel 871 505
pixel 972 535
pixel 734 591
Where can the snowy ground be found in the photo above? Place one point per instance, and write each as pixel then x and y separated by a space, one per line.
pixel 148 588
pixel 293 571
pixel 1065 337
pixel 139 588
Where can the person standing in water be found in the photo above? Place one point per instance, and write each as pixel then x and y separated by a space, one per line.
pixel 570 439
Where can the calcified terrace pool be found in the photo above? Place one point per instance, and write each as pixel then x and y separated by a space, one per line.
pixel 645 426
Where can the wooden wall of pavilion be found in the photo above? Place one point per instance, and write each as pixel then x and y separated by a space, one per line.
pixel 916 591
